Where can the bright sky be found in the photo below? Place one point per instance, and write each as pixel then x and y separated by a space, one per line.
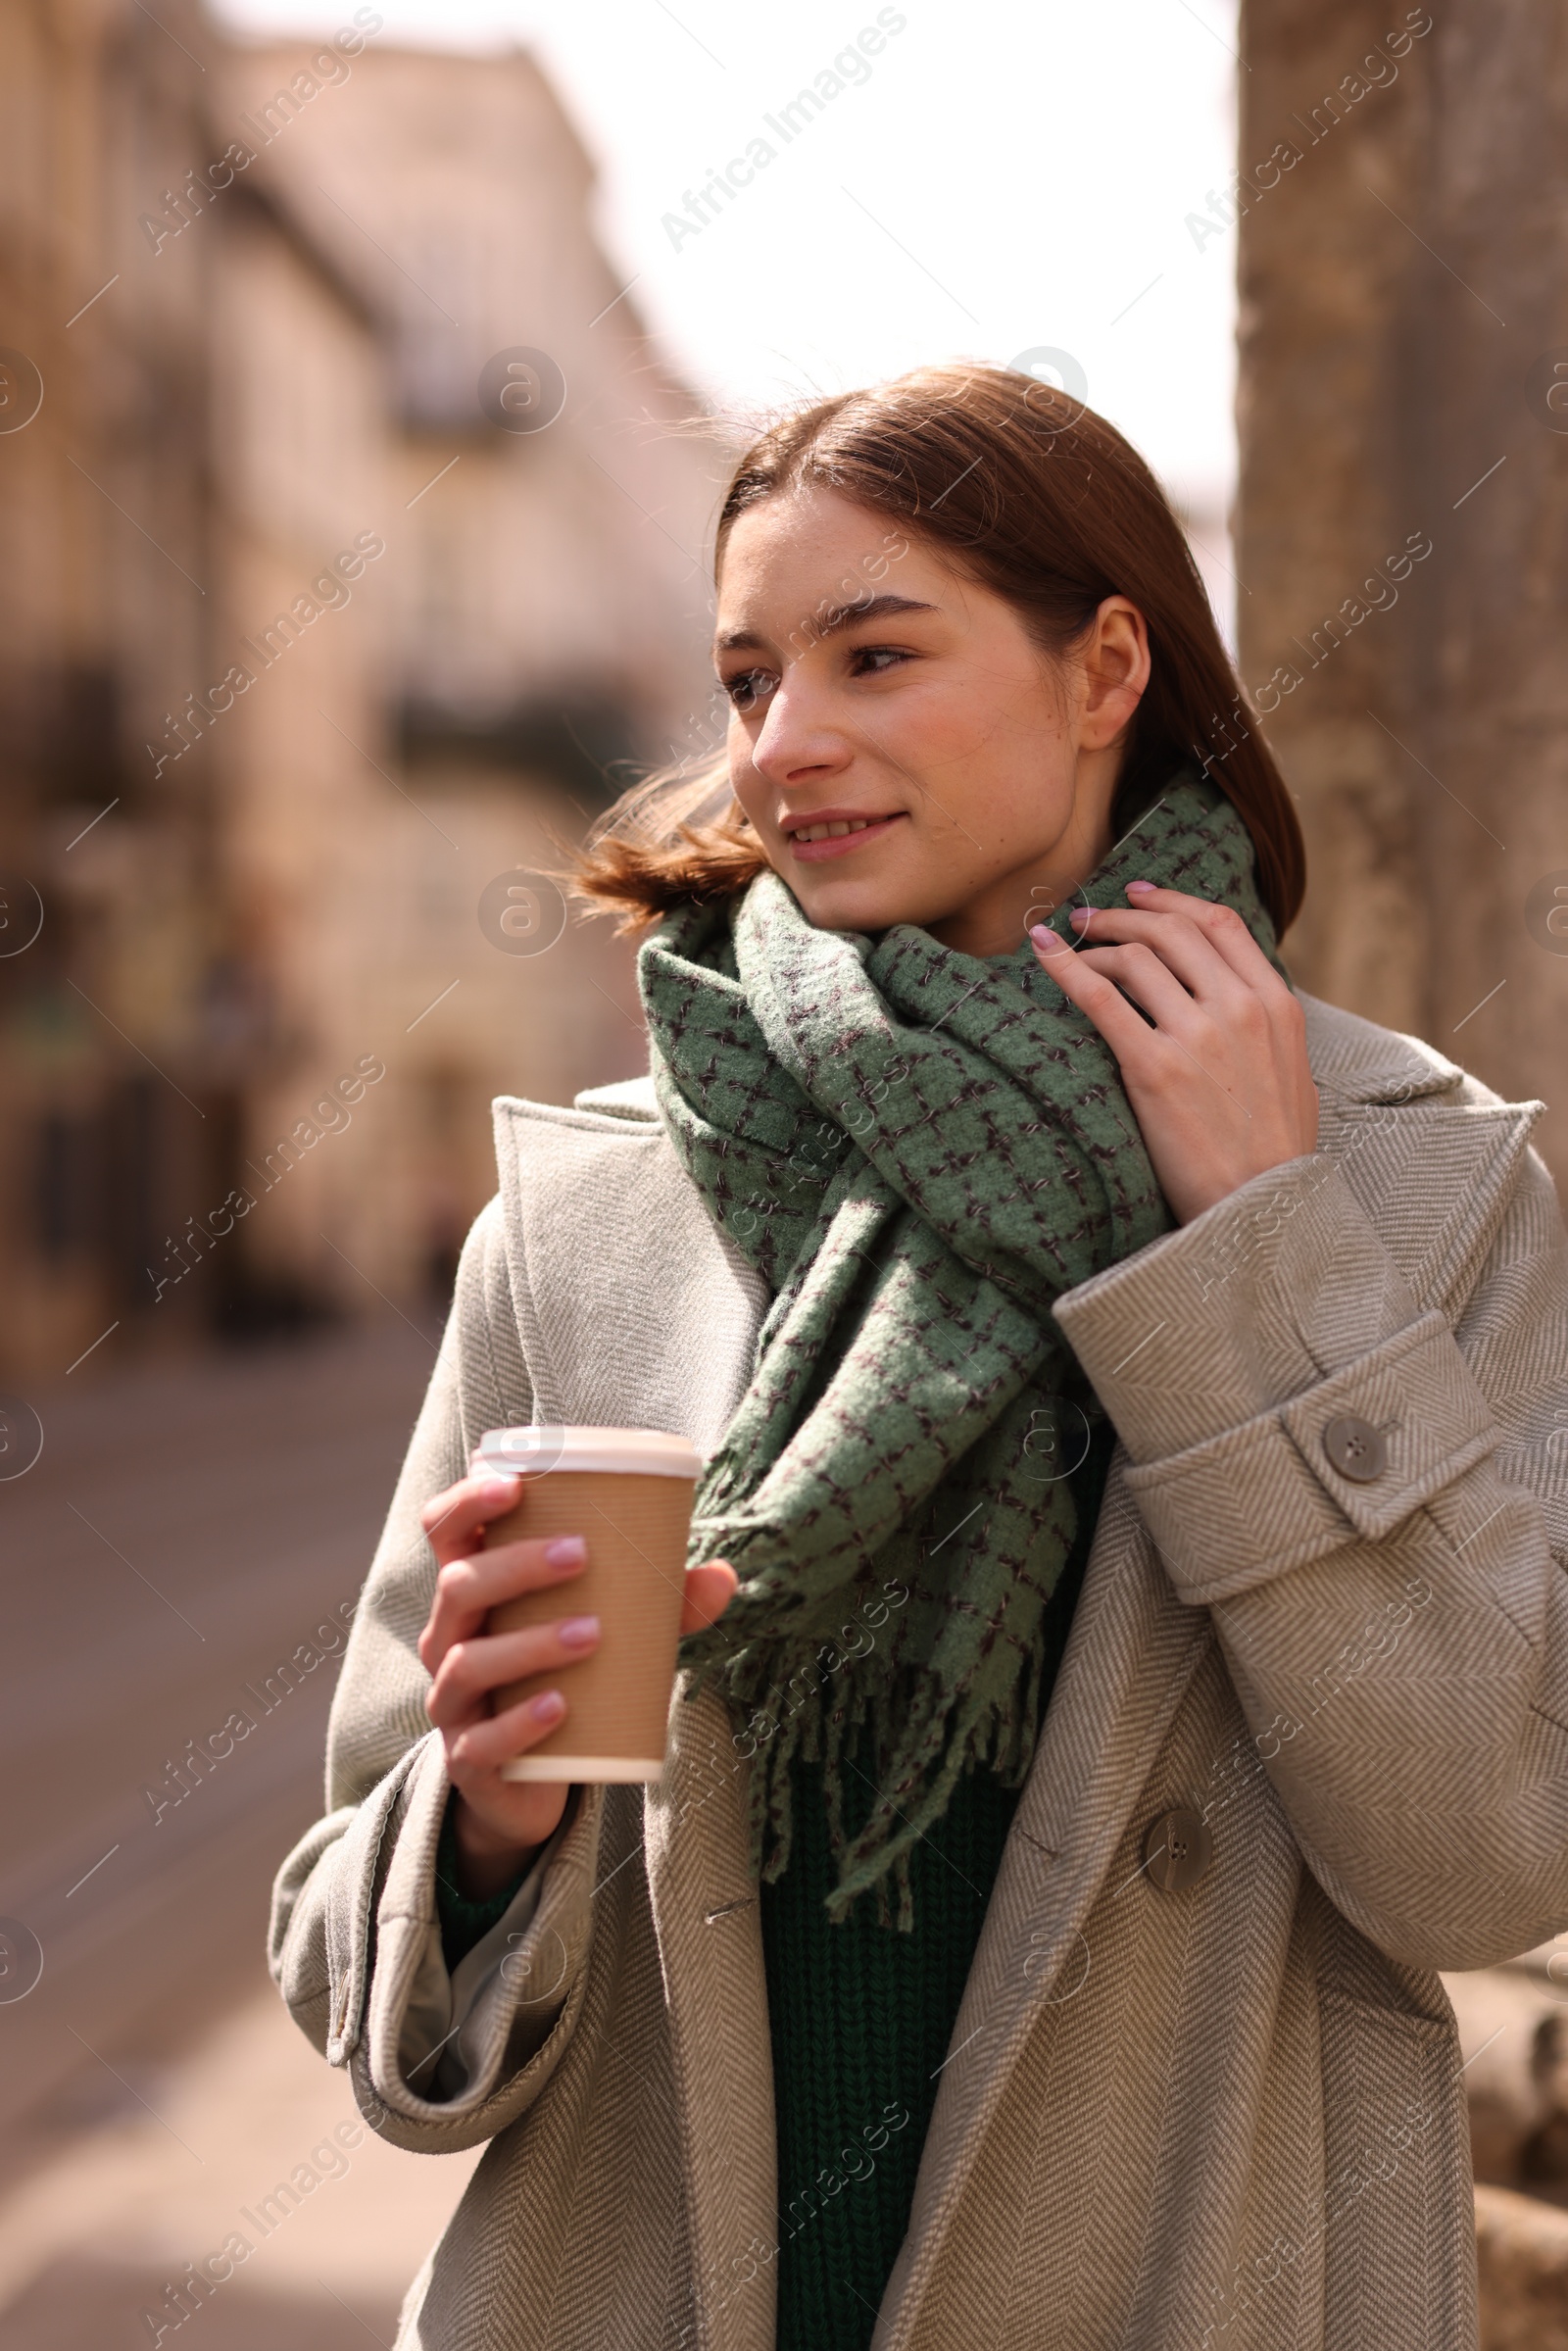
pixel 1009 177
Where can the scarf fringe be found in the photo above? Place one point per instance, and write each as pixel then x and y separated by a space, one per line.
pixel 930 1741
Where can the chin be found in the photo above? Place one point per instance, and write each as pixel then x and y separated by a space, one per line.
pixel 834 899
pixel 857 910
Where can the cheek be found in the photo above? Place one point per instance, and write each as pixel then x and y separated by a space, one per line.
pixel 745 782
pixel 975 726
pixel 999 761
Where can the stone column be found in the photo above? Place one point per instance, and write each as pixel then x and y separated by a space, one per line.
pixel 1403 528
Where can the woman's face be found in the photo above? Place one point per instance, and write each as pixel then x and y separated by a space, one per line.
pixel 899 741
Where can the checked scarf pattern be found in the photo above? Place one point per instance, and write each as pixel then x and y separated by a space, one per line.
pixel 919 1151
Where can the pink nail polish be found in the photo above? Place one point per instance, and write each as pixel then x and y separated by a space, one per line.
pixel 567 1550
pixel 1132 886
pixel 1080 917
pixel 1045 939
pixel 578 1631
pixel 548 1707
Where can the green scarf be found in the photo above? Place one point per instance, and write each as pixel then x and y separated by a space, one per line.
pixel 919 1151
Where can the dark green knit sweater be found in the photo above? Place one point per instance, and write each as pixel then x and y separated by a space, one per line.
pixel 862 2017
pixel 860 2014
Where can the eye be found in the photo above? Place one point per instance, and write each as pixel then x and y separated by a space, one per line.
pixel 749 688
pixel 874 661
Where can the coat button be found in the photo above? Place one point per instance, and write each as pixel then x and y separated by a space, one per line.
pixel 1178 1850
pixel 1357 1449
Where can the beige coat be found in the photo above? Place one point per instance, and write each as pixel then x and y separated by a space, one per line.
pixel 1228 2116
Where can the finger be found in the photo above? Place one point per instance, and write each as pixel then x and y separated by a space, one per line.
pixel 466 1590
pixel 710 1588
pixel 486 1745
pixel 1124 1030
pixel 1254 1008
pixel 1142 975
pixel 1183 1028
pixel 1180 945
pixel 471 1669
pixel 453 1521
pixel 1222 926
pixel 1263 990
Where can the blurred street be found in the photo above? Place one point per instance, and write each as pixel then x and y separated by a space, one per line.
pixel 186 1528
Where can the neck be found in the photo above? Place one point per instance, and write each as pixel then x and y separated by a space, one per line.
pixel 995 920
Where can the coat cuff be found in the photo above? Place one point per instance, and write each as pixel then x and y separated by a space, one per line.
pixel 1226 1352
pixel 448 2048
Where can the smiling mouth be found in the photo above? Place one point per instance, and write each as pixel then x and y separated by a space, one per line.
pixel 820 837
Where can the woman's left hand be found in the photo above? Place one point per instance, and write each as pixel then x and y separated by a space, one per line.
pixel 1220 1084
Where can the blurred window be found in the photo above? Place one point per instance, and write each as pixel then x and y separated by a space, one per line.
pixel 68 1149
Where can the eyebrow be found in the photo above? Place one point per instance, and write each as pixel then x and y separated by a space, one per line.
pixel 828 624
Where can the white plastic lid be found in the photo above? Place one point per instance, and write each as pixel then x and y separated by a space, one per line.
pixel 532 1451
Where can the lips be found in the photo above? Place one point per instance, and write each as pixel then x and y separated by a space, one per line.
pixel 835 832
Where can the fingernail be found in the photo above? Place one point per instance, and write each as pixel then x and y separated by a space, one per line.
pixel 548 1707
pixel 578 1631
pixel 567 1550
pixel 1080 919
pixel 1132 886
pixel 1045 939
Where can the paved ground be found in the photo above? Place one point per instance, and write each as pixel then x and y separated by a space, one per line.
pixel 185 1528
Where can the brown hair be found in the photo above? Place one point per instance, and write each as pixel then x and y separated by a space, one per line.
pixel 1043 502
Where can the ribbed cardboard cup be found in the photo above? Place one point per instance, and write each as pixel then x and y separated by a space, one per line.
pixel 628 1494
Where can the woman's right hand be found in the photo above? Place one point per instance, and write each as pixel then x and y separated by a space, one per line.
pixel 499 1821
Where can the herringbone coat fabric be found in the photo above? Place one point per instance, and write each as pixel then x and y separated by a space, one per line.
pixel 1229 2116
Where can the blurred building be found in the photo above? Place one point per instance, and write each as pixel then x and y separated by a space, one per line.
pixel 542 605
pixel 109 541
pixel 353 559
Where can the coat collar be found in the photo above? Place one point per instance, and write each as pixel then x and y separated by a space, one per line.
pixel 1428 1152
pixel 1355 1062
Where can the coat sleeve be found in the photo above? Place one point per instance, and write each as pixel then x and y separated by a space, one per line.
pixel 438 2060
pixel 1392 1605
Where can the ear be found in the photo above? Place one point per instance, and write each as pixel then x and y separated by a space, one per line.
pixel 1116 669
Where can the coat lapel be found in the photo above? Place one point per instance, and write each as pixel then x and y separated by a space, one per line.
pixel 634 1312
pixel 1133 1651
pixel 707 1920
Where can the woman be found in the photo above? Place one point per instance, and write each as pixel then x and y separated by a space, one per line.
pixel 1031 1941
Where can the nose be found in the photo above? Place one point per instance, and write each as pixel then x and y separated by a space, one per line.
pixel 796 741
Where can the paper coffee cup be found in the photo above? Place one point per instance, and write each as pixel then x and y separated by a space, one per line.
pixel 628 1494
